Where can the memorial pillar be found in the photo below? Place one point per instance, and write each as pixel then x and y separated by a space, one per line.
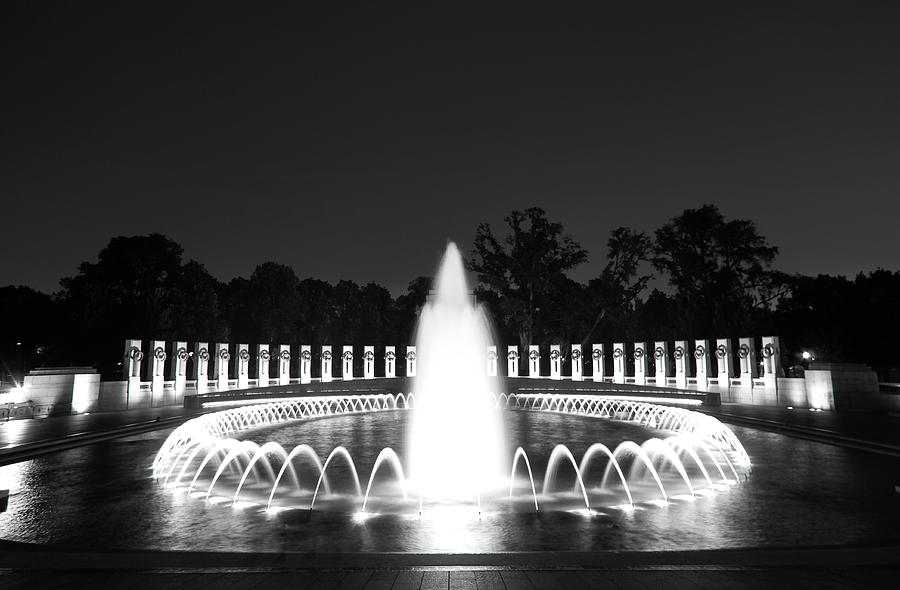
pixel 390 361
pixel 410 361
pixel 701 357
pixel 534 361
pixel 746 362
pixel 555 362
pixel 157 373
pixel 681 363
pixel 618 362
pixel 132 370
pixel 640 363
pixel 512 360
pixel 262 365
pixel 724 364
pixel 577 366
pixel 661 362
pixel 326 364
pixel 242 366
pixel 347 363
pixel 201 366
pixel 179 369
pixel 368 362
pixel 284 364
pixel 221 368
pixel 597 364
pixel 492 361
pixel 771 357
pixel 305 363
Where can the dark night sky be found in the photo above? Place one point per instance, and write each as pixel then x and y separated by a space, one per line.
pixel 353 145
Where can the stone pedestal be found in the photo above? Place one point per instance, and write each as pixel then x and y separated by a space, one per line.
pixel 661 362
pixel 597 364
pixel 640 363
pixel 747 362
pixel 179 370
pixel 846 387
pixel 619 362
pixel 390 361
pixel 368 362
pixel 724 364
pixel 555 362
pixel 262 364
pixel 305 363
pixel 577 366
pixel 512 361
pixel 326 364
pixel 284 364
pixel 701 358
pixel 680 356
pixel 242 366
pixel 347 363
pixel 492 361
pixel 410 361
pixel 201 366
pixel 222 359
pixel 534 361
pixel 157 372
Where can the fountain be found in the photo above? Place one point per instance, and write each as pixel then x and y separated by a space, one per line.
pixel 456 446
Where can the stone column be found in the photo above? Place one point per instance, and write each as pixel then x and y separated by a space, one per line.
pixel 771 356
pixel 598 366
pixel 222 358
pixel 555 362
pixel 724 364
pixel 326 364
pixel 284 364
pixel 577 367
pixel 618 362
pixel 746 362
pixel 492 361
pixel 410 361
pixel 640 363
pixel 701 357
pixel 132 370
pixel 390 361
pixel 262 364
pixel 305 363
pixel 534 361
pixel 368 362
pixel 157 372
pixel 201 366
pixel 347 363
pixel 242 366
pixel 661 362
pixel 681 363
pixel 512 360
pixel 179 369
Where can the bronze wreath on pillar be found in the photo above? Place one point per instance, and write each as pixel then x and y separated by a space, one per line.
pixel 576 355
pixel 411 355
pixel 159 353
pixel 305 355
pixel 347 356
pixel 264 355
pixel 244 354
pixel 369 355
pixel 326 356
pixel 721 351
pixel 285 355
pixel 618 353
pixel 512 355
pixel 678 353
pixel 224 355
pixel 492 355
pixel 554 355
pixel 597 354
pixel 135 354
pixel 638 353
pixel 659 352
pixel 699 352
pixel 390 355
pixel 534 355
pixel 743 351
pixel 203 354
pixel 181 354
pixel 768 351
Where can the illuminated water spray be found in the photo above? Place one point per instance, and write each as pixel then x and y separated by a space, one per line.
pixel 457 447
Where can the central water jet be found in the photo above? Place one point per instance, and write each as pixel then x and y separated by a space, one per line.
pixel 456 441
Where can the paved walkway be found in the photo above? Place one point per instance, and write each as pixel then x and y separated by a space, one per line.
pixel 32 567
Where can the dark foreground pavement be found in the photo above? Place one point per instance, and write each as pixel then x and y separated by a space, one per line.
pixel 24 566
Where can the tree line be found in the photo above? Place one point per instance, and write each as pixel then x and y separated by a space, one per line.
pixel 699 275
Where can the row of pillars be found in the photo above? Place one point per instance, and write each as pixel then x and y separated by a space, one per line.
pixel 707 363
